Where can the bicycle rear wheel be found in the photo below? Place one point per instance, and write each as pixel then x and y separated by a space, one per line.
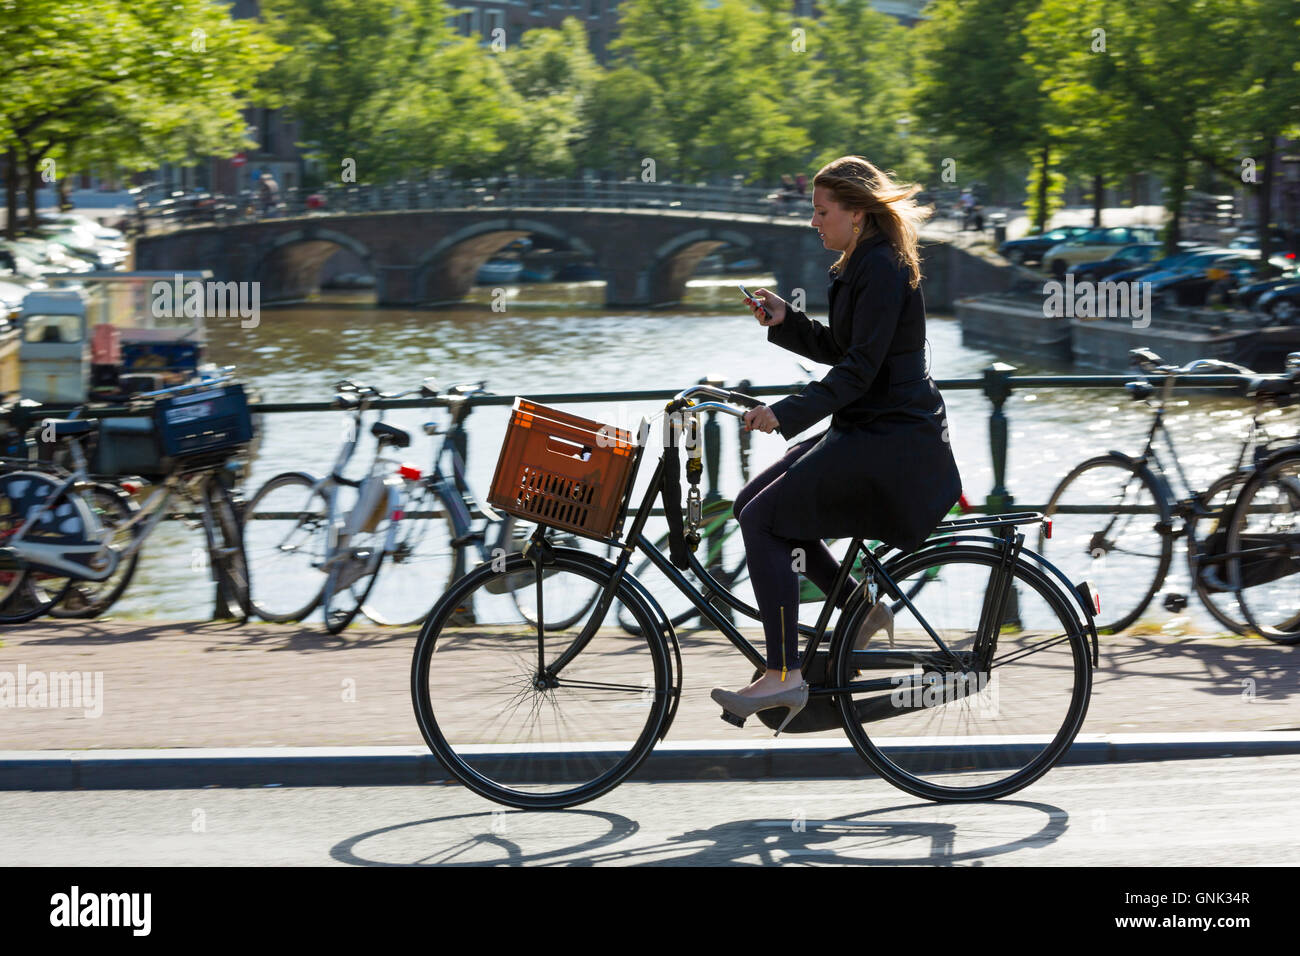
pixel 723 556
pixel 989 725
pixel 498 715
pixel 26 595
pixel 1120 548
pixel 85 598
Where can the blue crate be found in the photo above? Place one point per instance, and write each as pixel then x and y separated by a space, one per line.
pixel 213 422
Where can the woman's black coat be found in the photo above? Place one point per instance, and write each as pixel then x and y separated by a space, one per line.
pixel 884 469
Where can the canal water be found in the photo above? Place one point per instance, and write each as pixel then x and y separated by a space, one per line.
pixel 555 337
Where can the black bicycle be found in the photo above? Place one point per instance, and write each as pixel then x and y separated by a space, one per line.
pixel 983 691
pixel 1118 506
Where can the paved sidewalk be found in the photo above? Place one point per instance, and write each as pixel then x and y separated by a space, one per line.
pixel 205 685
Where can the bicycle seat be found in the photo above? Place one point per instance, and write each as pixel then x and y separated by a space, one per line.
pixel 67 428
pixel 391 434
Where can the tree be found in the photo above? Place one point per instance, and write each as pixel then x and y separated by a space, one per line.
pixel 135 84
pixel 976 95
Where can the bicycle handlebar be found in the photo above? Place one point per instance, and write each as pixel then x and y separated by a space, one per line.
pixel 682 400
pixel 1151 363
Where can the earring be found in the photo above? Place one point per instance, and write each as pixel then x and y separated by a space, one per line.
pixel 856 230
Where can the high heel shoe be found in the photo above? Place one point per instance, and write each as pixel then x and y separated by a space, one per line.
pixel 736 707
pixel 880 616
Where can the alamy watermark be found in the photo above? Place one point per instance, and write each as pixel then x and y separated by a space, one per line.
pixel 76 908
pixel 976 690
pixel 196 299
pixel 41 689
pixel 1098 300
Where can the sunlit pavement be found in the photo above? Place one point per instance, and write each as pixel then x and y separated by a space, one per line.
pixel 1241 811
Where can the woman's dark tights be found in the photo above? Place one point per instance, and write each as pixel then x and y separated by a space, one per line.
pixel 772 561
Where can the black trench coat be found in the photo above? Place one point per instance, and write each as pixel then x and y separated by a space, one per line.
pixel 884 469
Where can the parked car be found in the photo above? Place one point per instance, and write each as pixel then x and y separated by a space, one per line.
pixel 1281 304
pixel 1159 265
pixel 1248 294
pixel 1213 281
pixel 1093 245
pixel 1030 249
pixel 1128 257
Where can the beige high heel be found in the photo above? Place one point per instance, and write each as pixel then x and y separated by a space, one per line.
pixel 736 707
pixel 880 616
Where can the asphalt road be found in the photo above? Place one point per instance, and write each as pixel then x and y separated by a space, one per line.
pixel 1240 811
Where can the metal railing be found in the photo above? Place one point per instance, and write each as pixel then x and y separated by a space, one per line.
pixel 513 194
pixel 997 384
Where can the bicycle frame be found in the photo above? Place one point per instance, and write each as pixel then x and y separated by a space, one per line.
pixel 48 558
pixel 1008 545
pixel 1161 473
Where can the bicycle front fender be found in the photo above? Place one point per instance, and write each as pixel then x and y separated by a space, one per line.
pixel 1164 492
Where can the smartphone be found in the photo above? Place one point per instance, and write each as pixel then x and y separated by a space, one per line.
pixel 752 299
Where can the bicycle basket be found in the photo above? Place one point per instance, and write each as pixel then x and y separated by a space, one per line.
pixel 212 423
pixel 564 471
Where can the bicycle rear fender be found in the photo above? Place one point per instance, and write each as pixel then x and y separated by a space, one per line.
pixel 1081 601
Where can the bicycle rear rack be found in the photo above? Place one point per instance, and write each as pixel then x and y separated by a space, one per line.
pixel 988 521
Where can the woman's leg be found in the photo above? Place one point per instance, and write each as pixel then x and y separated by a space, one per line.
pixel 769 475
pixel 820 566
pixel 776 584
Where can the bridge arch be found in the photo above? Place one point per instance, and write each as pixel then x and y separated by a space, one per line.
pixel 447 269
pixel 289 265
pixel 676 259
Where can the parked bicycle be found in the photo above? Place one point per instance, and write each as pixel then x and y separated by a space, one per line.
pixel 71 541
pixel 1116 516
pixel 1261 548
pixel 535 716
pixel 437 541
pixel 386 545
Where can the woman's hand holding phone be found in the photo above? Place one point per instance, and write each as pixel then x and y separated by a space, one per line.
pixel 768 307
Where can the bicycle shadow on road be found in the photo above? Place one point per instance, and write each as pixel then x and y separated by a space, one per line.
pixel 499 837
pixel 1219 668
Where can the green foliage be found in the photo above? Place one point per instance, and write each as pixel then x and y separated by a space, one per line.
pixel 98 82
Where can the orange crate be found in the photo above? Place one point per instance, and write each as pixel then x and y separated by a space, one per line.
pixel 563 471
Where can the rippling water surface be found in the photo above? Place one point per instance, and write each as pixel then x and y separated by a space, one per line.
pixel 554 338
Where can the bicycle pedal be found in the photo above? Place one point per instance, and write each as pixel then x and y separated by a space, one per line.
pixel 733 719
pixel 1175 602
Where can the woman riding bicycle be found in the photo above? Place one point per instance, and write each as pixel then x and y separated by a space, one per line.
pixel 884 469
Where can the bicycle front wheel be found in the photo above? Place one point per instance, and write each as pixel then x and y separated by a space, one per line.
pixel 993 716
pixel 528 714
pixel 285 529
pixel 1207 533
pixel 1106 528
pixel 1263 551
pixel 226 545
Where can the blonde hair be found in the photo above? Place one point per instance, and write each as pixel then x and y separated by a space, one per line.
pixel 890 209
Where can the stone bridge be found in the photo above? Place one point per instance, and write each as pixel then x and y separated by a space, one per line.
pixel 421 257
